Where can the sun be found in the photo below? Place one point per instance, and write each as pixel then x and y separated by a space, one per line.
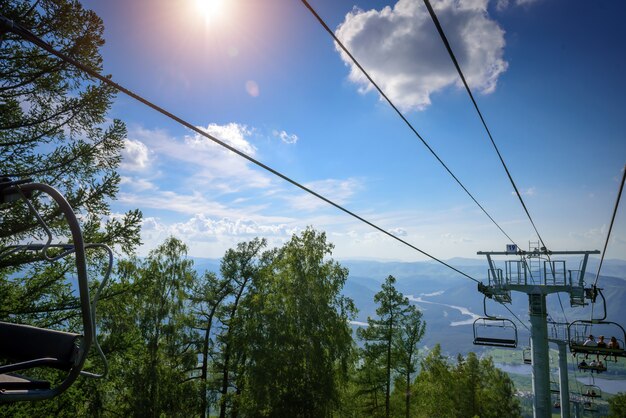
pixel 210 10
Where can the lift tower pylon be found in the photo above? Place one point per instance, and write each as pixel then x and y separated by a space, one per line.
pixel 535 273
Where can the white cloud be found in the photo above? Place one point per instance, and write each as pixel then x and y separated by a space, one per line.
pixel 188 204
pixel 135 155
pixel 203 163
pixel 504 4
pixel 285 137
pixel 211 236
pixel 137 184
pixel 232 133
pixel 402 52
pixel 525 2
pixel 451 238
pixel 398 232
pixel 202 227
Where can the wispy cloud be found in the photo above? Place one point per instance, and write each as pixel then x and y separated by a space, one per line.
pixel 403 53
pixel 454 239
pixel 530 191
pixel 285 137
pixel 203 163
pixel 339 191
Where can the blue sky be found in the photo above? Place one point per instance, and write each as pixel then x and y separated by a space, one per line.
pixel 265 77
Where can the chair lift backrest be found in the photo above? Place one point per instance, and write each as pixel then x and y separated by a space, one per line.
pixel 508 341
pixel 53 345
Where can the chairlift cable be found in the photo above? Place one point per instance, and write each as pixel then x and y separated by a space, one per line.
pixel 469 92
pixel 29 36
pixel 399 113
pixel 405 120
pixel 608 235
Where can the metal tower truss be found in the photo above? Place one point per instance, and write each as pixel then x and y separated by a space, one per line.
pixel 537 273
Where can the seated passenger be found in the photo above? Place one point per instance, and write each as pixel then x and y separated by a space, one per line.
pixel 590 341
pixel 601 342
pixel 614 345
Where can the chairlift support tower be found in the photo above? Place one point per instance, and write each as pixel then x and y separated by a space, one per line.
pixel 526 274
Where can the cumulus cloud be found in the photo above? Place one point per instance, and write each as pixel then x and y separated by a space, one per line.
pixel 135 155
pixel 285 137
pixel 203 228
pixel 401 50
pixel 232 133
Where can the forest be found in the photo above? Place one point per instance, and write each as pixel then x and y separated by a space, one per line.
pixel 268 335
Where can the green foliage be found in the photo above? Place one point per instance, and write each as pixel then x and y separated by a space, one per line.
pixel 53 129
pixel 298 342
pixel 390 345
pixel 53 125
pixel 617 405
pixel 149 337
pixel 472 387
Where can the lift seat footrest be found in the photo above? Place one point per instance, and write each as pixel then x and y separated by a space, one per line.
pixel 11 382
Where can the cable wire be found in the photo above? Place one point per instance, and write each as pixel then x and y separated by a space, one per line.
pixel 608 235
pixel 29 36
pixel 393 106
pixel 411 127
pixel 469 92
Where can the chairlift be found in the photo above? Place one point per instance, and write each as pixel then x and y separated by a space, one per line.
pixel 554 387
pixel 495 332
pixel 556 403
pixel 26 349
pixel 579 342
pixel 593 366
pixel 527 356
pixel 589 405
pixel 591 391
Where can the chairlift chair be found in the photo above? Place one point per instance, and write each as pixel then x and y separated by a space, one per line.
pixel 592 366
pixel 578 331
pixel 495 332
pixel 527 356
pixel 25 348
pixel 591 391
pixel 554 387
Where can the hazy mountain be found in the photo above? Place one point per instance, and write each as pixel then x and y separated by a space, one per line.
pixel 444 292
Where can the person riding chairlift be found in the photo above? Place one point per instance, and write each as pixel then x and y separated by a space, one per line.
pixel 590 342
pixel 613 345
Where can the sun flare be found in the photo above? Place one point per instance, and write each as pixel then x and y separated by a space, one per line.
pixel 210 10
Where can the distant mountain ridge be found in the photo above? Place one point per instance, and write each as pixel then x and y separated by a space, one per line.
pixel 444 290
